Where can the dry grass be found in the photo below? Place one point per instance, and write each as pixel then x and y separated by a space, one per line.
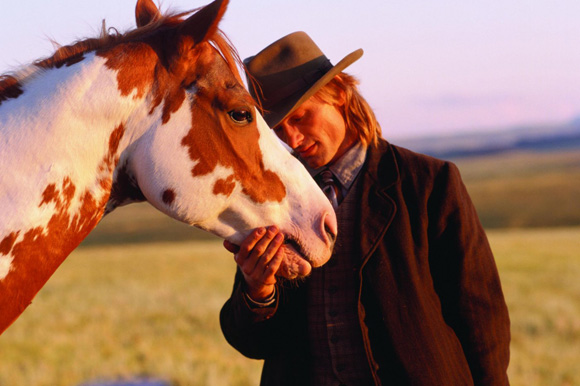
pixel 540 271
pixel 125 311
pixel 525 189
pixel 152 309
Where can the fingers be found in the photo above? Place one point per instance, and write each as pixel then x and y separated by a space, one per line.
pixel 272 267
pixel 247 246
pixel 231 247
pixel 259 246
pixel 259 258
pixel 261 286
pixel 267 265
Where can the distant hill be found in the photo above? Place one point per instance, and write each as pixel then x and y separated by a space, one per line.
pixel 525 138
pixel 535 186
pixel 518 177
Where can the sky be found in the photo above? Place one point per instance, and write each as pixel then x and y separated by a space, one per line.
pixel 429 67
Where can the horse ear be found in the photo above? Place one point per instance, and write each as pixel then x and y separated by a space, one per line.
pixel 145 12
pixel 204 22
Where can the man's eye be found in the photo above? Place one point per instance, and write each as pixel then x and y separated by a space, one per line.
pixel 241 117
pixel 297 116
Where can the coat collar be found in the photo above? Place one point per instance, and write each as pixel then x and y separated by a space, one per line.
pixel 377 207
pixel 382 167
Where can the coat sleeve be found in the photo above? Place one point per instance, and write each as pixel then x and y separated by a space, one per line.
pixel 251 331
pixel 466 279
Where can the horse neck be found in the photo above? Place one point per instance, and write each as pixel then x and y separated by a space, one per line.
pixel 68 127
pixel 56 172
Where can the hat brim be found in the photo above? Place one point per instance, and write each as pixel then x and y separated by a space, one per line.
pixel 286 107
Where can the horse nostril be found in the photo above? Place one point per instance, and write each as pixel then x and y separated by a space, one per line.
pixel 330 234
pixel 330 227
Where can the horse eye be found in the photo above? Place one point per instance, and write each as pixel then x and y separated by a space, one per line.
pixel 241 116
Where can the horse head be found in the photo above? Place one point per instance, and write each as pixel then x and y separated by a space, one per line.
pixel 160 114
pixel 207 157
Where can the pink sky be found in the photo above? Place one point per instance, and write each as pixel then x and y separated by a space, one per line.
pixel 446 66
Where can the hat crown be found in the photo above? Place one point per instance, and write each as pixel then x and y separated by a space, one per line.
pixel 285 67
pixel 285 54
pixel 287 72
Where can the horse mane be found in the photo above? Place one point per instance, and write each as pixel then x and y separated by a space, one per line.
pixel 11 84
pixel 9 87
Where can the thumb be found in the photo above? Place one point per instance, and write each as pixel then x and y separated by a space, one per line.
pixel 231 247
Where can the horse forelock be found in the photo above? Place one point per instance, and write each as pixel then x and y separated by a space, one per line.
pixel 229 53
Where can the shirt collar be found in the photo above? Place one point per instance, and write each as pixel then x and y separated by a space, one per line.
pixel 347 167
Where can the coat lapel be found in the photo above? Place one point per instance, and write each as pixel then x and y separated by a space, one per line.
pixel 377 208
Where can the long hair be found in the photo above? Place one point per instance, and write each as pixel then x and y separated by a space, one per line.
pixel 360 119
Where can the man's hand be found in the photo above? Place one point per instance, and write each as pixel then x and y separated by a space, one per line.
pixel 259 259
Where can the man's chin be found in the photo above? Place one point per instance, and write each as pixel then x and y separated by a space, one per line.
pixel 314 162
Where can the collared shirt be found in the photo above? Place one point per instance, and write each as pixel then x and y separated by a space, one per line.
pixel 346 168
pixel 338 354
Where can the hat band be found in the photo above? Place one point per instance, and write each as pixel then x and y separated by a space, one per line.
pixel 299 84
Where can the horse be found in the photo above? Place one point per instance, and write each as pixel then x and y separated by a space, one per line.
pixel 159 114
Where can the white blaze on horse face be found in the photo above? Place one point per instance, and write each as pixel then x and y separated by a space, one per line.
pixel 307 217
pixel 215 164
pixel 218 201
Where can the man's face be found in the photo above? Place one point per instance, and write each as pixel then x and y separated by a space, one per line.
pixel 316 131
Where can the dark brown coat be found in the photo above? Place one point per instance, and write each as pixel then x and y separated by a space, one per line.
pixel 431 305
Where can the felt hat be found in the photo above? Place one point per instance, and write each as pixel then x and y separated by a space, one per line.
pixel 288 72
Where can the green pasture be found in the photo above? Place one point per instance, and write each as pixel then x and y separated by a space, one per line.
pixel 141 296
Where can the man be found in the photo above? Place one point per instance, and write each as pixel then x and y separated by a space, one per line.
pixel 411 295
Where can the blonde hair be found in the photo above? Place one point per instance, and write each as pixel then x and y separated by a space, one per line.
pixel 359 118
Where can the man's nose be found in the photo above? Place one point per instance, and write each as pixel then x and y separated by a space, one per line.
pixel 292 136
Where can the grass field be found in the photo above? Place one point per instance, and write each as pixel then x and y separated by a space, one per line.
pixel 538 189
pixel 141 296
pixel 152 309
pixel 540 272
pixel 131 310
